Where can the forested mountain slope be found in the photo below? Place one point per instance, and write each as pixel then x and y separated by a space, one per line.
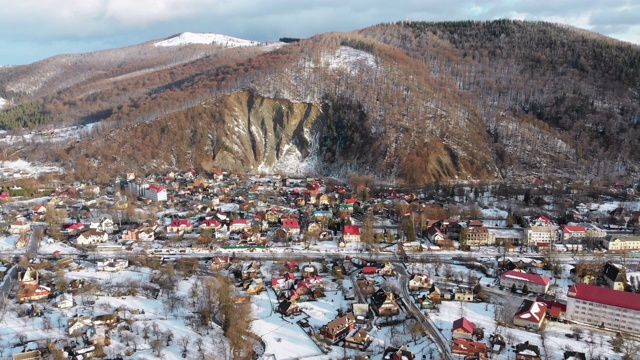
pixel 414 101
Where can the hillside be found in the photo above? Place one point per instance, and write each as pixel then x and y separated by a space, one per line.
pixel 413 102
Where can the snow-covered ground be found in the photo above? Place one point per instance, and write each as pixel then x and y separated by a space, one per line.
pixel 3 102
pixel 128 307
pixel 8 244
pixel 52 135
pixel 187 38
pixel 19 169
pixel 348 58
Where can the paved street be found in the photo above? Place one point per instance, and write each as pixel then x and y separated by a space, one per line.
pixel 436 336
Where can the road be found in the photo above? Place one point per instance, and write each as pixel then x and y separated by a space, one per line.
pixel 429 326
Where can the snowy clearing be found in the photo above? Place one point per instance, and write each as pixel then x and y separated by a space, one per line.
pixel 188 38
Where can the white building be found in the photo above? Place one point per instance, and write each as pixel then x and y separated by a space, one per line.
pixel 542 234
pixel 618 243
pixel 155 193
pixel 535 283
pixel 92 236
pixel 604 307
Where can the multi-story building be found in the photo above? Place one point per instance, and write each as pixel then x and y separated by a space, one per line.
pixel 619 243
pixel 573 234
pixel 535 283
pixel 546 234
pixel 155 193
pixel 604 307
pixel 476 236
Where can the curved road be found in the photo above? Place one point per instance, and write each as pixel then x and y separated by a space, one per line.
pixel 440 341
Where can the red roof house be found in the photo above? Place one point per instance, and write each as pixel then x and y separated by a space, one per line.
pixel 462 329
pixel 531 314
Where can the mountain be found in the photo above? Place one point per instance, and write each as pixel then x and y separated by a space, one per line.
pixel 414 102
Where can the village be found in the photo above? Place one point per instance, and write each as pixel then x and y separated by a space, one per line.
pixel 318 269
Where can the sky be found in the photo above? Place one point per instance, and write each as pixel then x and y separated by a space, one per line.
pixel 31 30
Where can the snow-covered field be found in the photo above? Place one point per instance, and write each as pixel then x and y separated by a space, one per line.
pixel 187 38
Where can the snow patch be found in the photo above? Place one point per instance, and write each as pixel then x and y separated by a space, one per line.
pixel 3 102
pixel 188 38
pixel 348 58
pixel 20 169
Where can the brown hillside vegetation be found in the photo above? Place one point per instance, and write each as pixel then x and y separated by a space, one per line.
pixel 413 101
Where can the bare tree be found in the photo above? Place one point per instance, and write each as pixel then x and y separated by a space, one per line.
pixel 183 342
pixel 157 346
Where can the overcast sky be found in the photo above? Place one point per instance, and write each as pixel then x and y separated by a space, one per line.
pixel 31 30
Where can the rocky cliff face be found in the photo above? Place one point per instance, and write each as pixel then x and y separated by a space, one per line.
pixel 262 134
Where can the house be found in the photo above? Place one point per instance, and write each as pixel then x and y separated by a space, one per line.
pixel 314 228
pixel 77 323
pixel 64 301
pixel 92 236
pixel 469 348
pixel 385 303
pixel 526 351
pixel 615 276
pixel 75 228
pixel 288 307
pixel 272 216
pixel 533 282
pixel 351 233
pixel 462 329
pixel 112 265
pixel 19 227
pixel 339 328
pixel 140 234
pixel 107 319
pixel 240 225
pixel 463 295
pixel 531 314
pixel 419 282
pixel 180 225
pixel 604 307
pixel 39 210
pixel 402 353
pixel 360 338
pixel 221 262
pixel 291 226
pixel 251 270
pixel 105 224
pixel 33 293
pixel 285 282
pixel 435 235
pixel 555 309
pixel 254 286
pixel 210 224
